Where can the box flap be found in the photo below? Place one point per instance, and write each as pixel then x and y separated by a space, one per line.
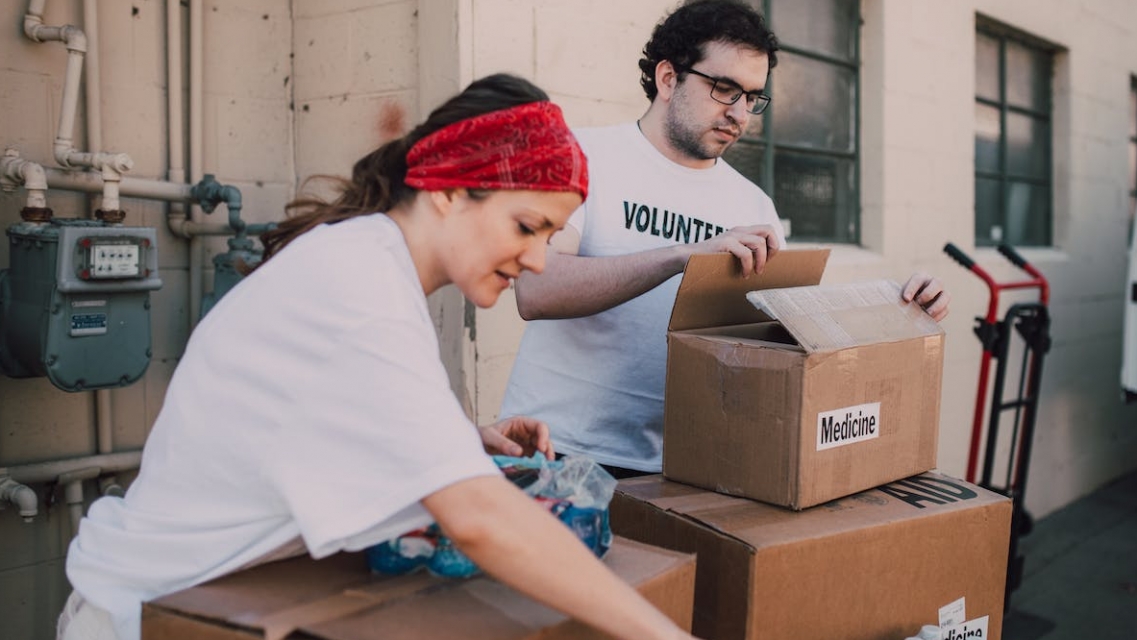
pixel 338 598
pixel 760 525
pixel 713 291
pixel 832 317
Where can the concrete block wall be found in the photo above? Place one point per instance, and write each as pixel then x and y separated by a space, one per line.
pixel 299 87
pixel 248 143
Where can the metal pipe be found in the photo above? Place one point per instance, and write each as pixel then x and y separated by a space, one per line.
pixel 72 482
pixel 196 266
pixel 64 143
pixel 111 188
pixel 94 78
pixel 35 8
pixel 51 470
pixel 104 428
pixel 177 215
pixel 76 43
pixel 91 182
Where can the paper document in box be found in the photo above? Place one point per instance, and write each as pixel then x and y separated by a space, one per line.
pixel 831 317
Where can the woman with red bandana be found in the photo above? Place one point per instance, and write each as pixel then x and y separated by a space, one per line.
pixel 311 413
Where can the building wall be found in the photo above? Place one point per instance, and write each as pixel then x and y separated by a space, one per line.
pixel 299 87
pixel 917 193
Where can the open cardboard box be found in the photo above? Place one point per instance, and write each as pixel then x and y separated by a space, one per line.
pixel 338 598
pixel 873 566
pixel 826 391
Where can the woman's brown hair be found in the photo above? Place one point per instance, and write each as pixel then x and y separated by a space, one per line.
pixel 377 179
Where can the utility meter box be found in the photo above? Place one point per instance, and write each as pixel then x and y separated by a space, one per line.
pixel 75 302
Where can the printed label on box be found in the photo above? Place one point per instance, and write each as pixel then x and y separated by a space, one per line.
pixel 971 629
pixel 849 425
pixel 953 614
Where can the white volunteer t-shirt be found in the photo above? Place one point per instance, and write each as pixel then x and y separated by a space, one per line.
pixel 310 405
pixel 598 381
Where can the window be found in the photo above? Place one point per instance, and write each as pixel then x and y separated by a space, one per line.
pixel 803 151
pixel 1013 183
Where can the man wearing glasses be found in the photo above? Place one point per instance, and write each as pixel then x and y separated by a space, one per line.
pixel 593 363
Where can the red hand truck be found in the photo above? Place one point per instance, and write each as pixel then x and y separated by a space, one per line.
pixel 1031 321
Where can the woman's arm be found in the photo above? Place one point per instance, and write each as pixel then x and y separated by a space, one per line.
pixel 513 539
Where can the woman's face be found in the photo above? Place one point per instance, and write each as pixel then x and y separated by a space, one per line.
pixel 490 240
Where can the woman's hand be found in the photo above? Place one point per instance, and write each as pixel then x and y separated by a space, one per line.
pixel 518 436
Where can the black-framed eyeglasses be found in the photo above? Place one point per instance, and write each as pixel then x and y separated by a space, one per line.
pixel 727 92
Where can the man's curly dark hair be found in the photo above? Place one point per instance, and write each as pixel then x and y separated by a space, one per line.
pixel 680 36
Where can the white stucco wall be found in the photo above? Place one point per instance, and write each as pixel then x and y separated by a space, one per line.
pixel 917 193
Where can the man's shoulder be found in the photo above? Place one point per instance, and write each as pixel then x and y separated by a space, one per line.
pixel 598 135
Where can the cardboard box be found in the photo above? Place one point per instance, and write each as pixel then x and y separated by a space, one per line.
pixel 827 391
pixel 874 566
pixel 338 598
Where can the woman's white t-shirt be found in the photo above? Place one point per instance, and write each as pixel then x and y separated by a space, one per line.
pixel 310 407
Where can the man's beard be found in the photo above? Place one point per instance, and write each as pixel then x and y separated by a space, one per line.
pixel 689 142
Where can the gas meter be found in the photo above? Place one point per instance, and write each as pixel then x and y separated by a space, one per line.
pixel 75 302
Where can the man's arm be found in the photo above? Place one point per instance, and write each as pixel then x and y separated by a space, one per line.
pixel 574 286
pixel 929 293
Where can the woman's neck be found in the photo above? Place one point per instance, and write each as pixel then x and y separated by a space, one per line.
pixel 418 222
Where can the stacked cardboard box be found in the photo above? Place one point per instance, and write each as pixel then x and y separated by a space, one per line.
pixel 827 391
pixel 877 565
pixel 338 598
pixel 820 406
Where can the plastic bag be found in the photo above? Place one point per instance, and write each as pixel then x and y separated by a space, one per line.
pixel 575 490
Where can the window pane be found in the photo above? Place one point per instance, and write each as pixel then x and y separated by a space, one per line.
pixel 988 221
pixel 749 160
pixel 813 104
pixel 822 26
pixel 1027 144
pixel 986 66
pixel 1028 215
pixel 986 138
pixel 1028 77
pixel 816 194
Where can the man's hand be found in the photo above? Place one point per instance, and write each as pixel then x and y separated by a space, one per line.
pixel 753 246
pixel 929 293
pixel 518 436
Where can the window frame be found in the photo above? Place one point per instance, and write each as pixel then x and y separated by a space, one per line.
pixel 1003 34
pixel 849 217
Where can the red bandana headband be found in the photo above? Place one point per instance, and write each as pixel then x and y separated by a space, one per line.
pixel 524 147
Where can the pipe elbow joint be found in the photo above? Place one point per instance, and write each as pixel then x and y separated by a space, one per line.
pixel 32 25
pixel 231 196
pixel 74 38
pixel 35 178
pixel 22 496
pixel 62 151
